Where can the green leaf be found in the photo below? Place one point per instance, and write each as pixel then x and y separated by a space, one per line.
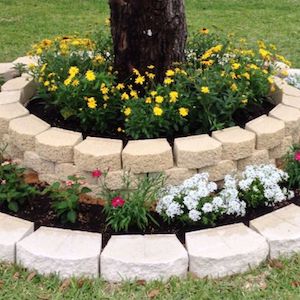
pixel 13 206
pixel 72 216
pixel 67 112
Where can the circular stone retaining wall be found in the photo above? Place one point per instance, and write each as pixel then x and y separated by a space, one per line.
pixel 56 153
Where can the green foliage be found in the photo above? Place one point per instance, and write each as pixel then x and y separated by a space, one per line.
pixel 65 198
pixel 132 205
pixel 292 166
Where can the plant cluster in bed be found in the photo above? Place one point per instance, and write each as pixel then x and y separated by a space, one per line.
pixel 294 79
pixel 219 77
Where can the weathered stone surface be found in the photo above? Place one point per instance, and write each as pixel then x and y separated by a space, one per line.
pixel 220 170
pixel 57 144
pixel 11 151
pixel 63 170
pixel 33 161
pixel 291 118
pixel 281 228
pixel 48 178
pixel 7 113
pixel 225 250
pixel 269 131
pixel 10 97
pixel 175 176
pixel 23 130
pixel 61 251
pixel 257 158
pixel 12 230
pixel 290 90
pixel 25 85
pixel 277 94
pixel 291 101
pixel 195 152
pixel 26 60
pixel 99 153
pixel 236 142
pixel 280 150
pixel 7 71
pixel 148 257
pixel 144 156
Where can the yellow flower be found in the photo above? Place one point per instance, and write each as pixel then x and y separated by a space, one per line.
pixel 140 80
pixel 223 73
pixel 159 99
pixel 120 86
pixel 204 31
pixel 207 62
pixel 73 71
pixel 246 75
pixel 75 82
pixel 52 88
pixel 272 88
pixel 104 89
pixel 43 68
pixel 234 87
pixel 151 75
pixel 90 75
pixel 253 66
pixel 134 94
pixel 170 73
pixel 244 101
pixel 99 59
pixel 284 73
pixel 136 72
pixel 157 111
pixel 271 80
pixel 265 54
pixel 261 44
pixel 107 22
pixel 31 66
pixel 91 103
pixel 127 111
pixel 67 81
pixel 183 111
pixel 148 100
pixel 150 67
pixel 236 66
pixel 39 51
pixel 205 89
pixel 124 96
pixel 153 93
pixel 217 48
pixel 105 98
pixel 233 75
pixel 168 80
pixel 47 83
pixel 173 96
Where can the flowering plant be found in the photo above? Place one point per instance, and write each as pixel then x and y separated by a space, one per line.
pixel 65 198
pixel 293 79
pixel 263 185
pixel 292 166
pixel 197 200
pixel 132 205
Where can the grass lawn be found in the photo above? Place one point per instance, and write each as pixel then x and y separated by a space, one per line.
pixel 277 280
pixel 25 22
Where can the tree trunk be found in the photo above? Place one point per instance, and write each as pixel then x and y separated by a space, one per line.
pixel 147 32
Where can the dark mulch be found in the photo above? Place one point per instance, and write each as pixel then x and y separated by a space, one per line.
pixel 92 218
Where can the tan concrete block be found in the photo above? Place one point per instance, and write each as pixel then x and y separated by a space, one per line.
pixel 176 176
pixel 36 163
pixel 291 101
pixel 48 178
pixel 25 85
pixel 277 94
pixel 280 150
pixel 98 153
pixel 26 60
pixel 9 112
pixel 291 91
pixel 257 158
pixel 144 156
pixel 11 151
pixel 7 71
pixel 195 152
pixel 63 170
pixel 269 131
pixel 291 118
pixel 220 170
pixel 23 131
pixel 236 142
pixel 57 145
pixel 10 97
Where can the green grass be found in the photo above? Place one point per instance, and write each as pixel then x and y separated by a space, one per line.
pixel 25 22
pixel 276 281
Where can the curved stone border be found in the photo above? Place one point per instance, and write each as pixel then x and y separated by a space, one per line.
pixel 214 252
pixel 64 153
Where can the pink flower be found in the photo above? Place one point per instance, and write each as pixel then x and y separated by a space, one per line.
pixel 297 156
pixel 96 173
pixel 117 201
pixel 69 183
pixel 3 181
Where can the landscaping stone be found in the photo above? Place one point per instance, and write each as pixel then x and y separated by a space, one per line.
pixel 36 163
pixel 176 176
pixel 11 150
pixel 225 250
pixel 56 144
pixel 291 101
pixel 23 130
pixel 280 150
pixel 220 170
pixel 143 257
pixel 48 178
pixel 269 131
pixel 25 60
pixel 290 90
pixel 277 94
pixel 25 85
pixel 291 118
pixel 12 230
pixel 237 143
pixel 7 71
pixel 257 158
pixel 61 251
pixel 145 156
pixel 281 228
pixel 7 113
pixel 99 153
pixel 10 97
pixel 63 170
pixel 195 152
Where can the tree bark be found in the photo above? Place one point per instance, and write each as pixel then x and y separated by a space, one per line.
pixel 147 32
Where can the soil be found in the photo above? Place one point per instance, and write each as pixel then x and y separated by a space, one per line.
pixel 92 218
pixel 52 116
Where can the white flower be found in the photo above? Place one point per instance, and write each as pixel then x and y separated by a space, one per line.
pixel 194 215
pixel 207 207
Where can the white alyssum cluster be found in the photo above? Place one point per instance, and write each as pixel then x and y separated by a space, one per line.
pixel 197 197
pixel 294 79
pixel 270 178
